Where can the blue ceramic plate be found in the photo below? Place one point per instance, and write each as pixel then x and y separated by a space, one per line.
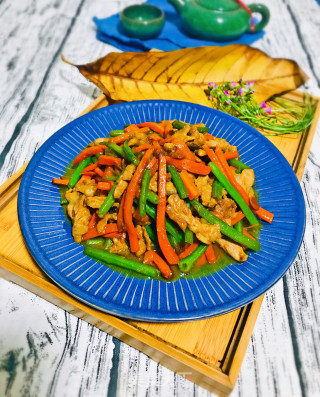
pixel 48 234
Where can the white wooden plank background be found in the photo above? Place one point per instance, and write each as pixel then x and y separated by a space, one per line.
pixel 45 351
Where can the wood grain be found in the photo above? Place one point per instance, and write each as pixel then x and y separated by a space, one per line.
pixel 283 354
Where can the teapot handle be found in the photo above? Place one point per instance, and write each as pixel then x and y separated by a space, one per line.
pixel 265 14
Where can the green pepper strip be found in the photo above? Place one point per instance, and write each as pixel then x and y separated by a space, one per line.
pixel 188 234
pixel 95 241
pixel 111 177
pixel 240 166
pixel 203 129
pixel 178 183
pixel 109 200
pixel 64 201
pixel 108 244
pixel 77 173
pixel 143 192
pixel 239 226
pixel 234 194
pixel 116 149
pixel 116 132
pixel 217 189
pixel 170 226
pixel 125 263
pixel 225 229
pixel 186 263
pixel 152 197
pixel 129 154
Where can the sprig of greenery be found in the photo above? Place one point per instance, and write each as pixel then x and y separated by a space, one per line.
pixel 285 117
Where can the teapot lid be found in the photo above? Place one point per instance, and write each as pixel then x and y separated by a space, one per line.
pixel 219 5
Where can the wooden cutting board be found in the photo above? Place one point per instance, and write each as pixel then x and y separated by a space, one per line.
pixel 207 352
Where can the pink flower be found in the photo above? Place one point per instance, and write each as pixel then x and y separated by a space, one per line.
pixel 210 97
pixel 240 91
pixel 228 101
pixel 233 84
pixel 268 110
pixel 226 92
pixel 240 101
pixel 263 105
pixel 249 84
pixel 212 84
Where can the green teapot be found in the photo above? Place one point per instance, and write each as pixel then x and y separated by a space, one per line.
pixel 219 20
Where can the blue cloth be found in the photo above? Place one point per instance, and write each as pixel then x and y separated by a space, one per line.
pixel 171 38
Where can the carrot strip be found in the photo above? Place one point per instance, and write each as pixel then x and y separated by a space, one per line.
pixel 144 130
pixel 210 255
pixel 131 190
pixel 247 234
pixel 237 218
pixel 231 155
pixel 153 126
pixel 104 185
pixel 120 220
pixel 151 256
pixel 57 181
pixel 113 234
pixel 188 250
pixel 262 213
pixel 98 171
pixel 190 186
pixel 153 166
pixel 139 218
pixel 92 233
pixel 209 137
pixel 167 129
pixel 212 156
pixel 155 137
pixel 110 160
pixel 202 260
pixel 121 138
pixel 88 174
pixel 164 243
pixel 90 167
pixel 131 128
pixel 188 165
pixel 90 151
pixel 93 221
pixel 142 147
pixel 184 150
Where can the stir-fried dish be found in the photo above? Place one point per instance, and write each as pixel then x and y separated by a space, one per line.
pixel 162 199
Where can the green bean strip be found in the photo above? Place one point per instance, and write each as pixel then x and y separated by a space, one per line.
pixel 188 235
pixel 240 166
pixel 152 197
pixel 77 173
pixel 143 192
pixel 234 194
pixel 239 226
pixel 203 129
pixel 152 234
pixel 225 229
pixel 129 154
pixel 116 149
pixel 180 124
pixel 186 263
pixel 170 226
pixel 111 177
pixel 178 183
pixel 172 240
pixel 116 132
pixel 109 200
pixel 95 241
pixel 217 189
pixel 125 263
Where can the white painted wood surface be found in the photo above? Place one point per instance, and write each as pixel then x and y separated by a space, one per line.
pixel 46 351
